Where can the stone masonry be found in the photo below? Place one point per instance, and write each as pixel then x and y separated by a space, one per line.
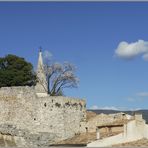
pixel 37 119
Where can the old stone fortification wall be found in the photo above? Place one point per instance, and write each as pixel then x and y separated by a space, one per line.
pixel 103 119
pixel 56 118
pixel 91 124
pixel 99 120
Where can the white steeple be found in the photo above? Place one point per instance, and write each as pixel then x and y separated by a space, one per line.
pixel 41 86
pixel 40 61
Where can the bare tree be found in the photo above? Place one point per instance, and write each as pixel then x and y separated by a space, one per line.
pixel 60 76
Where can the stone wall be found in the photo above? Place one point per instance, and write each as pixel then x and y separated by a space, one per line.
pixel 98 120
pixel 104 131
pixel 56 118
pixel 103 119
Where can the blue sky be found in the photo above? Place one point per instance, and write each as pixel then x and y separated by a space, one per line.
pixel 112 73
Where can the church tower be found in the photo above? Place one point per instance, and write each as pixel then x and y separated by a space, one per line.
pixel 41 86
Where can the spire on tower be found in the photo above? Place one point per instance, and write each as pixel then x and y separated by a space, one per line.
pixel 40 62
pixel 41 86
pixel 40 49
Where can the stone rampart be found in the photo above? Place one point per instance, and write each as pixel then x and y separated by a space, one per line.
pixel 58 117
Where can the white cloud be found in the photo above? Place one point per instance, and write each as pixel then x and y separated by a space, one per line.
pixel 47 54
pixel 130 99
pixel 127 50
pixel 106 107
pixel 145 57
pixel 142 94
pixel 134 109
pixel 110 107
pixel 95 107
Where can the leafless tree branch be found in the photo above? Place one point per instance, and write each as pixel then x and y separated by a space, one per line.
pixel 60 76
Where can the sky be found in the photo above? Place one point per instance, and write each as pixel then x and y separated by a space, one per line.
pixel 106 41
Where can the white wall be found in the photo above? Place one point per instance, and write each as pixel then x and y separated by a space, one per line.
pixel 133 130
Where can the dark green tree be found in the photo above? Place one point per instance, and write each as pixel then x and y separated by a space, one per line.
pixel 15 71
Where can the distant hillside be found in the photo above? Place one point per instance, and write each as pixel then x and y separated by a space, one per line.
pixel 144 112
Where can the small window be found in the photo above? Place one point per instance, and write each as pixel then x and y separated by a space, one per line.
pixel 45 104
pixel 34 119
